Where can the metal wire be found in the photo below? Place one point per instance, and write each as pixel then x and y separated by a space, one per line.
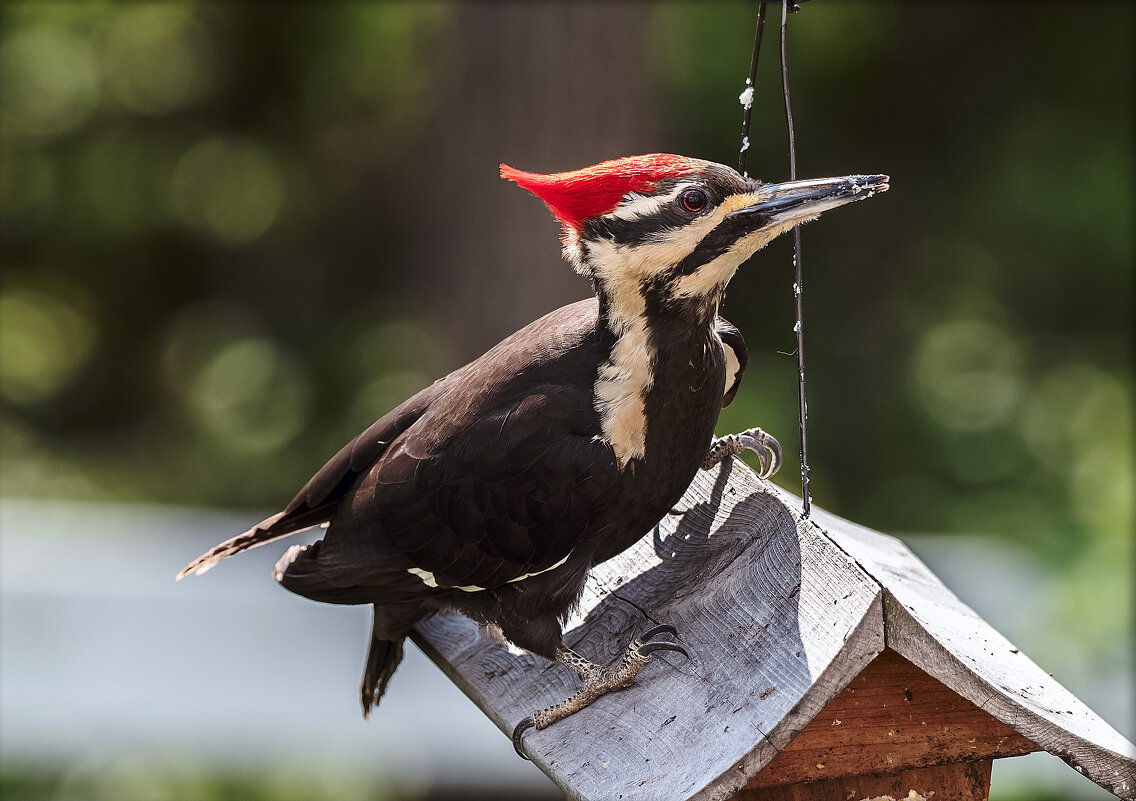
pixel 798 281
pixel 750 87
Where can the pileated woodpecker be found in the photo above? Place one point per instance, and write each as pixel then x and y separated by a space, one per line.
pixel 493 491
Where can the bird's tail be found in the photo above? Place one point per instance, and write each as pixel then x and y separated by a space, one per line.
pixel 382 658
pixel 271 528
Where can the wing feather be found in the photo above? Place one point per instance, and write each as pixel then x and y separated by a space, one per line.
pixel 496 476
pixel 734 345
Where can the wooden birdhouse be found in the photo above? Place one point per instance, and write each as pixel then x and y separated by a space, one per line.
pixel 827 663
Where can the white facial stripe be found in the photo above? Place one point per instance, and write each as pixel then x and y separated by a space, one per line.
pixel 618 263
pixel 681 242
pixel 625 379
pixel 636 205
pixel 430 580
pixel 707 278
pixel 718 271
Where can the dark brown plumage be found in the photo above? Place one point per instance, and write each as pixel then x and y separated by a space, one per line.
pixel 494 490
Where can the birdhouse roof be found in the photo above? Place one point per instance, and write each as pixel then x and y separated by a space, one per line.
pixel 779 614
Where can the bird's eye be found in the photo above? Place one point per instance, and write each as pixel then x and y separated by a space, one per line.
pixel 694 200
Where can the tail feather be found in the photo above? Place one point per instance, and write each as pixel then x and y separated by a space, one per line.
pixel 301 571
pixel 382 658
pixel 271 528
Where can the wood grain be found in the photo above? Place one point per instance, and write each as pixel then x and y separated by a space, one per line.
pixel 777 621
pixel 891 717
pixel 779 615
pixel 931 627
pixel 961 781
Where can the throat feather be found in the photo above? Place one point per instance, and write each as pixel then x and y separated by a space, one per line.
pixel 625 379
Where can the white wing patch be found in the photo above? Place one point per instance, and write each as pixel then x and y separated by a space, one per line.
pixel 430 580
pixel 733 366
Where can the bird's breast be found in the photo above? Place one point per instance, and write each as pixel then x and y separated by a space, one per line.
pixel 621 388
pixel 665 408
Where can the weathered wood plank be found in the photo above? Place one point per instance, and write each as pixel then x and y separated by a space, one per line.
pixel 960 781
pixel 931 627
pixel 777 621
pixel 779 615
pixel 891 717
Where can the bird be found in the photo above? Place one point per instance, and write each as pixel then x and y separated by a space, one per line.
pixel 495 490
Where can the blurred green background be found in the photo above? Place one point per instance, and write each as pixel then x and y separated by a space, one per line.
pixel 235 234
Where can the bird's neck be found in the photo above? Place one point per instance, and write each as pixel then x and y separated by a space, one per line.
pixel 651 338
pixel 625 309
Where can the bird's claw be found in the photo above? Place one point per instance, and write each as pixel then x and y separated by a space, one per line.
pixel 518 733
pixel 662 628
pixel 644 647
pixel 766 446
pixel 649 648
pixel 598 681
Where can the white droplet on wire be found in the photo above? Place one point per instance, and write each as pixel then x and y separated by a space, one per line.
pixel 746 97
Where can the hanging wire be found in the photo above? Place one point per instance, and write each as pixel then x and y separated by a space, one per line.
pixel 746 99
pixel 746 96
pixel 798 281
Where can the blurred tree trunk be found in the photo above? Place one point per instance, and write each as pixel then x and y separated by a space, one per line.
pixel 564 86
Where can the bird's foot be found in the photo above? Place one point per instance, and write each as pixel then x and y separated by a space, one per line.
pixel 766 446
pixel 597 680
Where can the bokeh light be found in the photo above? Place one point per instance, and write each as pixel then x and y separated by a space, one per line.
pixel 158 58
pixel 251 395
pixel 44 341
pixel 967 373
pixel 229 188
pixel 235 234
pixel 49 80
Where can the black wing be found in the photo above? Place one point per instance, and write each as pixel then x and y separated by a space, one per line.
pixel 500 478
pixel 318 501
pixel 734 346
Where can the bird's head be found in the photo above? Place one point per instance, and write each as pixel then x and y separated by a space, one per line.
pixel 669 231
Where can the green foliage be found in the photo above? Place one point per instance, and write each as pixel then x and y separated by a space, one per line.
pixel 210 281
pixel 208 284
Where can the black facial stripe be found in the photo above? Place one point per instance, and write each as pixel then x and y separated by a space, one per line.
pixel 715 243
pixel 718 182
pixel 666 185
pixel 661 303
pixel 636 231
pixel 669 217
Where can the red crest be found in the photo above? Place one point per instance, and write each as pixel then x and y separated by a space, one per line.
pixel 573 197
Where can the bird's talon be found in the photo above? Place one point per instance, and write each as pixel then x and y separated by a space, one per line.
pixel 662 628
pixel 648 648
pixel 518 733
pixel 767 448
